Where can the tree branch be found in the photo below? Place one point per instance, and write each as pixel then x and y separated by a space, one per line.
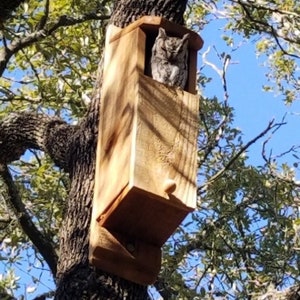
pixel 44 18
pixel 163 287
pixel 270 126
pixel 260 25
pixel 21 131
pixel 44 246
pixel 19 44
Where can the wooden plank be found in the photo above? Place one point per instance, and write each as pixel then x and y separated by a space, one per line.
pixel 145 216
pixel 131 259
pixel 117 115
pixel 152 23
pixel 166 141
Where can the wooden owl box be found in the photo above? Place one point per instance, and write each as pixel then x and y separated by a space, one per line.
pixel 145 181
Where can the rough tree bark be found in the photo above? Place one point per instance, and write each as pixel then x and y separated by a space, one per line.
pixel 74 148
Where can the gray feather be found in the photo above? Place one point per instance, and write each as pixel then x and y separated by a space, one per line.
pixel 169 60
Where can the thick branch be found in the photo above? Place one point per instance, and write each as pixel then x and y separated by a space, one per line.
pixel 21 131
pixel 40 241
pixel 164 288
pixel 19 44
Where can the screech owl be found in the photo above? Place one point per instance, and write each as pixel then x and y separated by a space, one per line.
pixel 169 60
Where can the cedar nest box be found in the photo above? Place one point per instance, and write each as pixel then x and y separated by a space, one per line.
pixel 145 182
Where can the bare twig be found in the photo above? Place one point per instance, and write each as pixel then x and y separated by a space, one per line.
pixel 214 138
pixel 44 18
pixel 270 126
pixel 266 27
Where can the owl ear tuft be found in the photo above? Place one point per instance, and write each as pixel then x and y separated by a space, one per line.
pixel 161 32
pixel 185 38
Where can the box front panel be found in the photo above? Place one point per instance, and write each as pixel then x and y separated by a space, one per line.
pixel 166 143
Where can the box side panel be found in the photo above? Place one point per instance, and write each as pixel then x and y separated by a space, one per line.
pixel 144 216
pixel 166 143
pixel 117 117
pixel 133 260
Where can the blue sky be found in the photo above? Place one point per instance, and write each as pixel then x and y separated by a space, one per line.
pixel 254 108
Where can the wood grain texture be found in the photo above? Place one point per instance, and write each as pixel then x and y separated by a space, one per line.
pixel 117 116
pixel 152 23
pixel 144 216
pixel 163 151
pixel 165 143
pixel 131 259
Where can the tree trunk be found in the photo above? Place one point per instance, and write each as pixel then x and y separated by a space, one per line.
pixel 76 279
pixel 7 7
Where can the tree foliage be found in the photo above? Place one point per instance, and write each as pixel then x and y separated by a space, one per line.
pixel 243 241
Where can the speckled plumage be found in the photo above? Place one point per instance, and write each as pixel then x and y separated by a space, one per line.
pixel 169 60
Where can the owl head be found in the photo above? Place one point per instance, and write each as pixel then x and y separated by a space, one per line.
pixel 173 47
